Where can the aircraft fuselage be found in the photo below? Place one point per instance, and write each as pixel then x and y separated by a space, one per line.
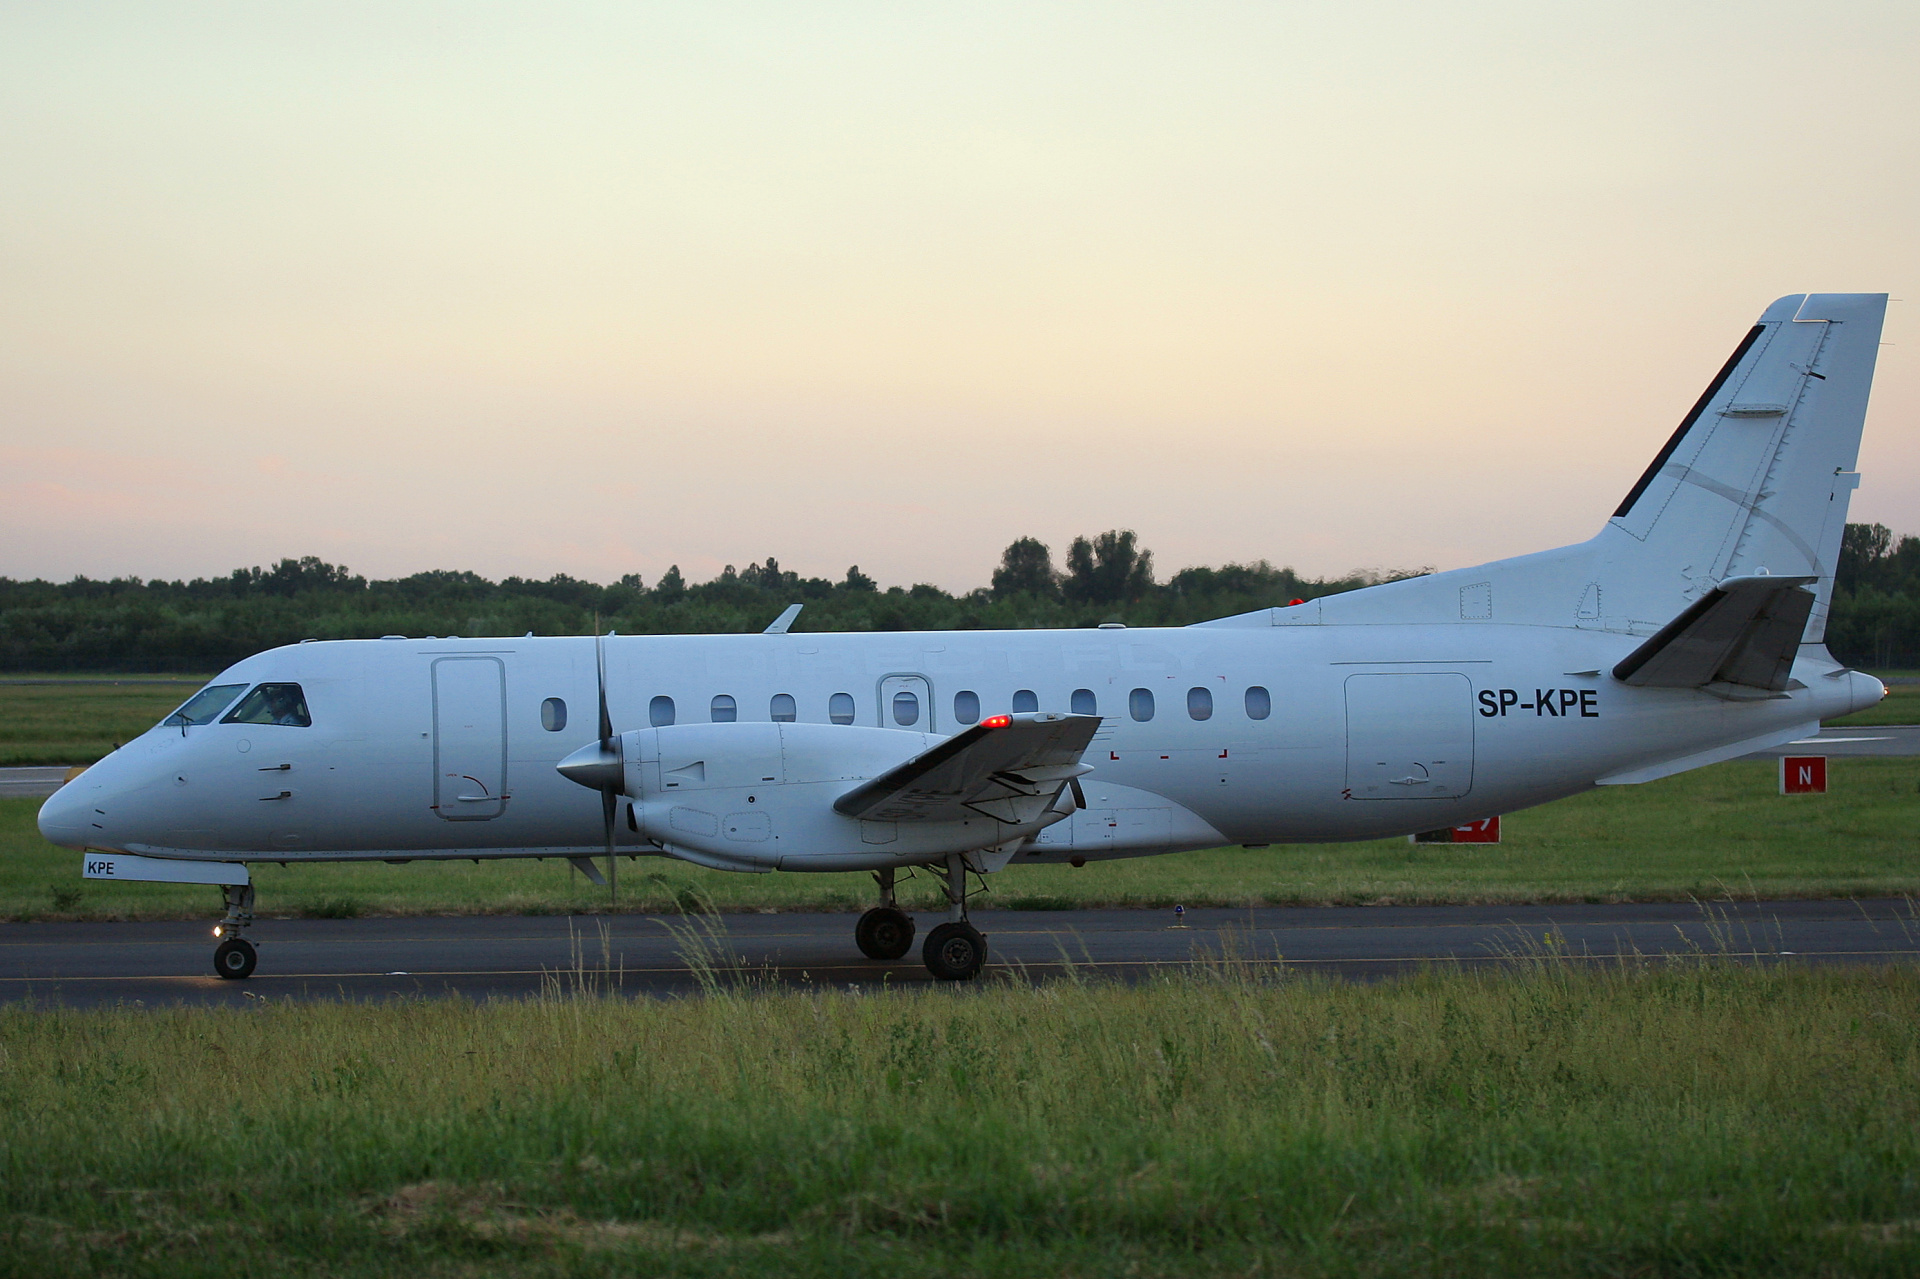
pixel 423 748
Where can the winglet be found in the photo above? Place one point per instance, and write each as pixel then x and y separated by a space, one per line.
pixel 783 623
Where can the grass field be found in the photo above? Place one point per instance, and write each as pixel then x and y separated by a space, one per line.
pixel 81 718
pixel 1715 832
pixel 1700 1120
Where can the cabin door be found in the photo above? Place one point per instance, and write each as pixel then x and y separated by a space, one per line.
pixel 469 738
pixel 1409 736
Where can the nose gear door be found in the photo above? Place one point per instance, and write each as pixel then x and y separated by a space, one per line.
pixel 469 738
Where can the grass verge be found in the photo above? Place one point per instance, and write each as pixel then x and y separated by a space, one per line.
pixel 81 718
pixel 1709 833
pixel 1690 1120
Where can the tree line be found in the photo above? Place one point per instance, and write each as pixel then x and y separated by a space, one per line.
pixel 130 625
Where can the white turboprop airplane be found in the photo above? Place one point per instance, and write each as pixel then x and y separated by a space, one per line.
pixel 1688 631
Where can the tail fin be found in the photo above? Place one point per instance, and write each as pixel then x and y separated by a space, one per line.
pixel 1758 476
pixel 1755 482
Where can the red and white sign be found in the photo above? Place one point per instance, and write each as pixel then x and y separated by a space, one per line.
pixel 1484 831
pixel 1803 774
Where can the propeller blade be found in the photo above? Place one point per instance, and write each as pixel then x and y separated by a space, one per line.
pixel 600 663
pixel 609 792
pixel 609 802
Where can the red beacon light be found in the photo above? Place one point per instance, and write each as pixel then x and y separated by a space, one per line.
pixel 1291 603
pixel 997 721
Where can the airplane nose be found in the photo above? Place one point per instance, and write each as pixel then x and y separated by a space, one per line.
pixel 596 766
pixel 63 818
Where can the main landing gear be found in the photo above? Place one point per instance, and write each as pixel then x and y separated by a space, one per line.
pixel 954 951
pixel 235 956
pixel 886 931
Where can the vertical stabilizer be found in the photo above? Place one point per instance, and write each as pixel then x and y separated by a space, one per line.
pixel 1754 483
pixel 1758 476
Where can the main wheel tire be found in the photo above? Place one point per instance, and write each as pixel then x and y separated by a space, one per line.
pixel 234 958
pixel 955 952
pixel 885 932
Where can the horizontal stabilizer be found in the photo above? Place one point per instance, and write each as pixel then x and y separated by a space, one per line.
pixel 1010 768
pixel 1741 636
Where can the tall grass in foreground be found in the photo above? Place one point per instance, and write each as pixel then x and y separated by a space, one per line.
pixel 1688 1120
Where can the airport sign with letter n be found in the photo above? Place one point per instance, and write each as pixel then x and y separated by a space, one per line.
pixel 1803 774
pixel 1484 831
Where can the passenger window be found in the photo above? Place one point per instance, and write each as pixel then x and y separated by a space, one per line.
pixel 1200 703
pixel 205 706
pixel 1083 702
pixel 282 704
pixel 840 708
pixel 660 711
pixel 782 708
pixel 553 714
pixel 1140 704
pixel 1024 701
pixel 724 709
pixel 1259 703
pixel 966 706
pixel 906 708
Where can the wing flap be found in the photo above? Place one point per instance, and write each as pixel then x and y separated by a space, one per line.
pixel 1743 634
pixel 1010 768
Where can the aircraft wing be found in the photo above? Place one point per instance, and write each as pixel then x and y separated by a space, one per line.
pixel 1010 768
pixel 1738 639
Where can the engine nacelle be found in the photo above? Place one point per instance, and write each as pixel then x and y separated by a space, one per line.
pixel 758 796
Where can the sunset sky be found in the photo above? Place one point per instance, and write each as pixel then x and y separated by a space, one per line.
pixel 599 288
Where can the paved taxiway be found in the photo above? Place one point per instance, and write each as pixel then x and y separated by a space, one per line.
pixel 509 956
pixel 23 783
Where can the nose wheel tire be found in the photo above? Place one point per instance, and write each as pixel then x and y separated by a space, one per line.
pixel 234 958
pixel 955 951
pixel 885 932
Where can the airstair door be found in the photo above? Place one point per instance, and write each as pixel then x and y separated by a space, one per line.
pixel 906 701
pixel 469 738
pixel 1409 736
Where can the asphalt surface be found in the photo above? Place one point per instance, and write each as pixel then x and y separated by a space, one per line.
pixel 481 957
pixel 1882 739
pixel 25 783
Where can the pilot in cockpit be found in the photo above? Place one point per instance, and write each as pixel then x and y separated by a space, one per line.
pixel 283 707
pixel 282 704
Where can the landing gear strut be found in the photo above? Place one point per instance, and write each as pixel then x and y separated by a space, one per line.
pixel 886 931
pixel 235 957
pixel 955 950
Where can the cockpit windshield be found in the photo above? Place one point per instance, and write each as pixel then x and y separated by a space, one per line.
pixel 204 706
pixel 272 704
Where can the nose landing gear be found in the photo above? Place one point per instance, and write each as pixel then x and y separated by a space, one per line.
pixel 235 957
